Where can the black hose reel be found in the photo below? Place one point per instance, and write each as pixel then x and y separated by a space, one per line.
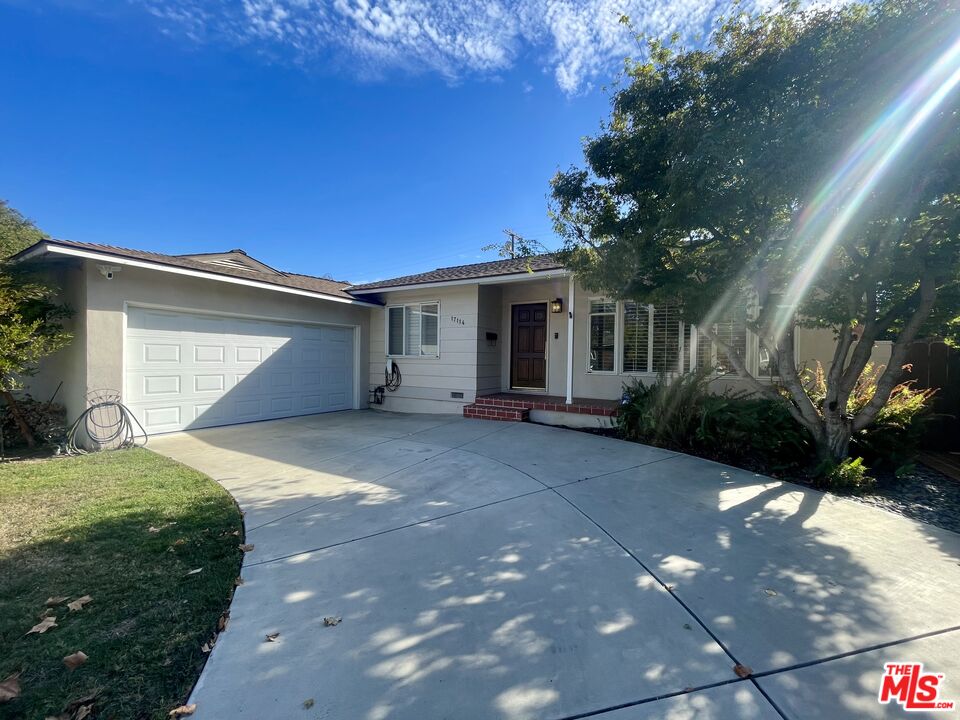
pixel 391 381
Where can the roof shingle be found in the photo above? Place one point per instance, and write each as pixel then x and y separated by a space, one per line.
pixel 323 286
pixel 511 266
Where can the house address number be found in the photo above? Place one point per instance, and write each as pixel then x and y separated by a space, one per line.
pixel 457 320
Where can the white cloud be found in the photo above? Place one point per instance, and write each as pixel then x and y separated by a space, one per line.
pixel 578 41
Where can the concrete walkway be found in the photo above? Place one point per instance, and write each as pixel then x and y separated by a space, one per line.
pixel 488 570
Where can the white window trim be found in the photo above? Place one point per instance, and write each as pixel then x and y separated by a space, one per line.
pixel 752 347
pixel 386 329
pixel 616 335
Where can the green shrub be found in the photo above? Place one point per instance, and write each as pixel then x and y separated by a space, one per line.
pixel 741 429
pixel 850 475
pixel 734 428
pixel 894 437
pixel 663 413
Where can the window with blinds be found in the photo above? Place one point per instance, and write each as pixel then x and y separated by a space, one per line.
pixel 656 340
pixel 413 330
pixel 636 337
pixel 667 339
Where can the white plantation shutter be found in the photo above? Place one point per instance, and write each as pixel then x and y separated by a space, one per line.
pixel 667 339
pixel 412 321
pixel 664 344
pixel 732 331
pixel 636 336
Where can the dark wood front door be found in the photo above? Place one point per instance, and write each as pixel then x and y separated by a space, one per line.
pixel 528 347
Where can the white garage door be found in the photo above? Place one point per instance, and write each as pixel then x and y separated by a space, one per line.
pixel 187 370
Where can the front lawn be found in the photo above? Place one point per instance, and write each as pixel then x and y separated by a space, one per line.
pixel 125 528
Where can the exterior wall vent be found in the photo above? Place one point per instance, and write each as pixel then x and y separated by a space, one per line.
pixel 456 395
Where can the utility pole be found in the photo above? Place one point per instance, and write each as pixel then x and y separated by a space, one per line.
pixel 513 241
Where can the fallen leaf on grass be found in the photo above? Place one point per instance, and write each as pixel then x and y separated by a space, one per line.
pixel 183 710
pixel 42 626
pixel 194 572
pixel 75 660
pixel 272 637
pixel 56 600
pixel 208 646
pixel 743 671
pixel 83 712
pixel 238 582
pixel 332 620
pixel 246 548
pixel 308 703
pixel 79 602
pixel 222 622
pixel 10 688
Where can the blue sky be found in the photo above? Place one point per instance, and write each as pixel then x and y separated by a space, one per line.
pixel 350 138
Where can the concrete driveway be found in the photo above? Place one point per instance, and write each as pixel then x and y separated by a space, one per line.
pixel 487 570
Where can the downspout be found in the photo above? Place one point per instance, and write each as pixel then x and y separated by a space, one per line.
pixel 570 299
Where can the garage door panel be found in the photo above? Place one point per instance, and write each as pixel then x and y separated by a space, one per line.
pixel 154 353
pixel 246 354
pixel 209 383
pixel 187 370
pixel 154 385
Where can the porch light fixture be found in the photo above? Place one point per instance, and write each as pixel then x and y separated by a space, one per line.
pixel 556 306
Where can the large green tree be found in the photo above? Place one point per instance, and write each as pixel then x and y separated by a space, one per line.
pixel 30 318
pixel 808 160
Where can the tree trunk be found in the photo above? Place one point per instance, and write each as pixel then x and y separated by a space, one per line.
pixel 18 418
pixel 834 445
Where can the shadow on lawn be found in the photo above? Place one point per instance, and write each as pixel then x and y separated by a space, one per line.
pixel 144 627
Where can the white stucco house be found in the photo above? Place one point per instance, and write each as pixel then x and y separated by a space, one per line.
pixel 203 340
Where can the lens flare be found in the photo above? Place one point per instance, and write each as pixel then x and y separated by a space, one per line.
pixel 833 208
pixel 838 200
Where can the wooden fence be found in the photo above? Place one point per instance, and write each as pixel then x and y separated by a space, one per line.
pixel 934 364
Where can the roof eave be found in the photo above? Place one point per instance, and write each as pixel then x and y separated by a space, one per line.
pixel 487 280
pixel 45 247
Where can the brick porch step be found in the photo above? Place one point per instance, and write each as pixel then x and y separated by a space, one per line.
pixel 487 411
pixel 503 402
pixel 551 403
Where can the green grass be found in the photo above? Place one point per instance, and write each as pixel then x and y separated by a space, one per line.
pixel 80 526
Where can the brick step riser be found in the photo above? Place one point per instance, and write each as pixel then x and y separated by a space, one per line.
pixel 495 412
pixel 497 402
pixel 536 405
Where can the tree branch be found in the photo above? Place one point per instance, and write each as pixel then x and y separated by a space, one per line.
pixel 891 375
pixel 762 388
